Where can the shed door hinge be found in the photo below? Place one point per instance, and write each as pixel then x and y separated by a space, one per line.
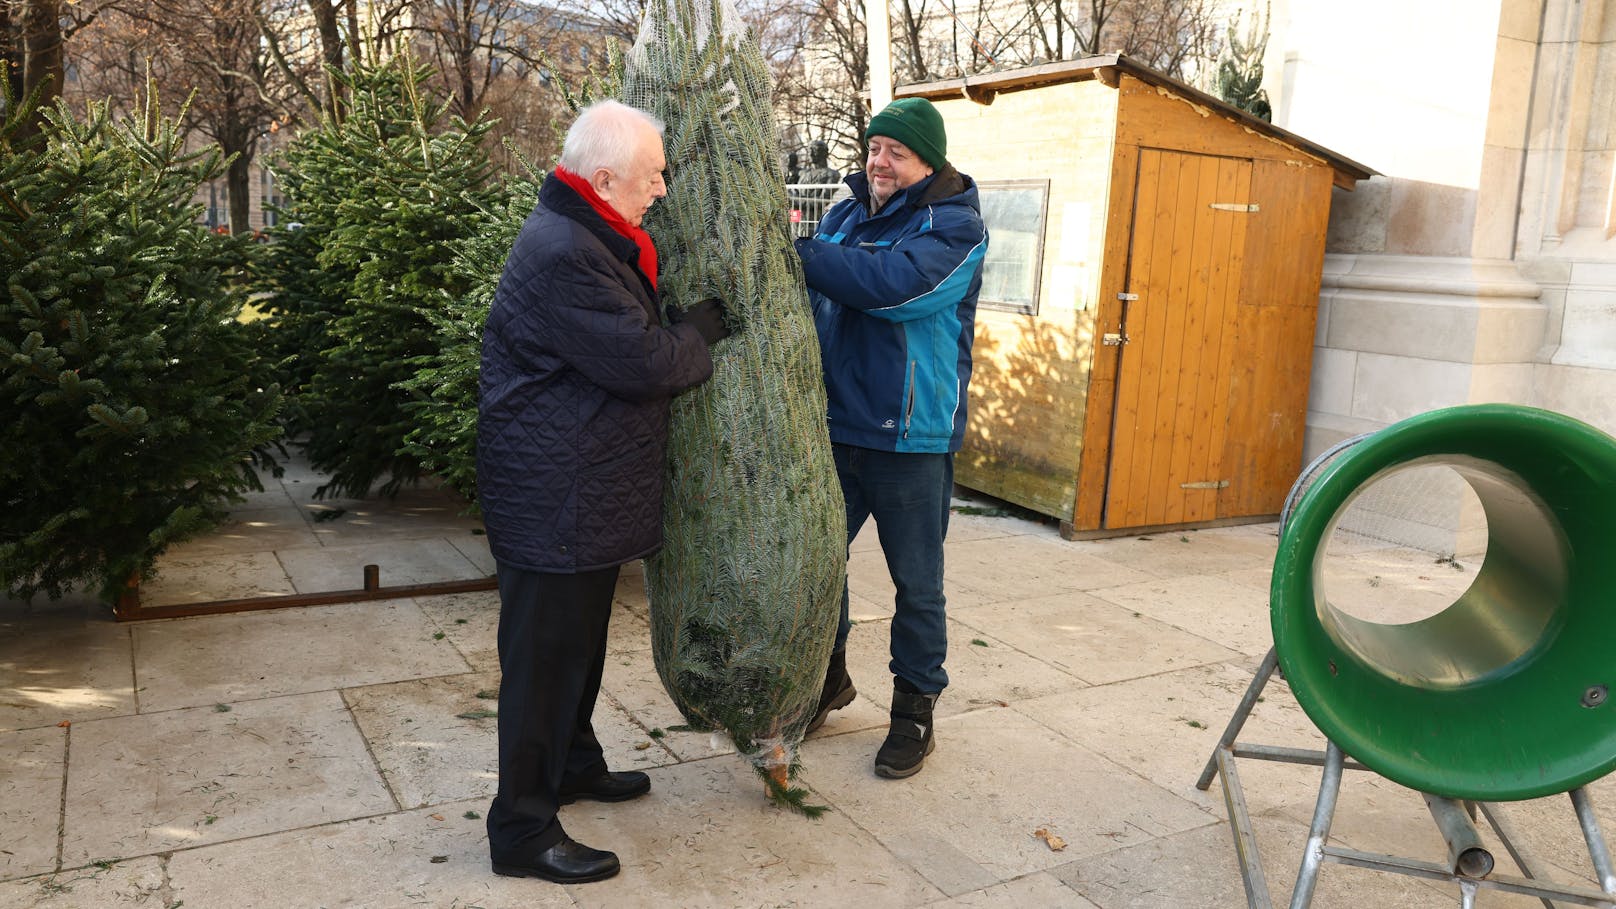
pixel 1234 206
pixel 1113 339
pixel 1205 484
pixel 1127 296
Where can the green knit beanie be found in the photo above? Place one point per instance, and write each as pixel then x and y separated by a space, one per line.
pixel 915 123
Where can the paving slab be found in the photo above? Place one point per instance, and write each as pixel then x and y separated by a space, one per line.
pixel 474 546
pixel 1090 639
pixel 137 882
pixel 1164 727
pixel 1257 578
pixel 1376 815
pixel 869 583
pixel 430 737
pixel 470 621
pixel 1549 828
pixel 1220 610
pixel 973 517
pixel 1191 552
pixel 434 744
pixel 202 577
pixel 983 671
pixel 30 799
pixel 996 778
pixel 997 570
pixel 424 516
pixel 426 857
pixel 273 495
pixel 258 529
pixel 631 681
pixel 227 658
pixel 706 837
pixel 1042 890
pixel 399 563
pixel 65 662
pixel 1197 869
pixel 148 784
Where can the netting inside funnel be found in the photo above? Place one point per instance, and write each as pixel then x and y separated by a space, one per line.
pixel 1406 546
pixel 746 592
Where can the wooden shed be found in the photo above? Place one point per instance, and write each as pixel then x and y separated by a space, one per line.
pixel 1145 333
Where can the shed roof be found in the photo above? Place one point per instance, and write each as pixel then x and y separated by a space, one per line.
pixel 1105 68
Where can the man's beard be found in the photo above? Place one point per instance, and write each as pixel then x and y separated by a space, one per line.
pixel 878 200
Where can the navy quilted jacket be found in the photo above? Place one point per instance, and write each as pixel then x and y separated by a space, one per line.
pixel 577 375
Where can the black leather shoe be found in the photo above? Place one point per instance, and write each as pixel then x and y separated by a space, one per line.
pixel 567 862
pixel 608 787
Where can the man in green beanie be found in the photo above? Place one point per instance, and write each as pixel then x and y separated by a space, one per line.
pixel 893 273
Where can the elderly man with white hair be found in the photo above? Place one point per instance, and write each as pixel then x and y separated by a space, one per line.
pixel 578 370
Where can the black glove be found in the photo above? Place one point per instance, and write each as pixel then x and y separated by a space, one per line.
pixel 708 318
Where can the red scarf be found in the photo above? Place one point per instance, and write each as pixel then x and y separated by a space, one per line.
pixel 648 260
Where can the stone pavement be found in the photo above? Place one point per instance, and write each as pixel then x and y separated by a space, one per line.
pixel 344 755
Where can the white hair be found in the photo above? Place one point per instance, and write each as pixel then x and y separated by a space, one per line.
pixel 606 134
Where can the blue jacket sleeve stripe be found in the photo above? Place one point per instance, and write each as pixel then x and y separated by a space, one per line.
pixel 951 289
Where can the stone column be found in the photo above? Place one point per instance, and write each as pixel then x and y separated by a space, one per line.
pixel 1480 267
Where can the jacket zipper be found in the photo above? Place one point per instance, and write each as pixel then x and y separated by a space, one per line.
pixel 909 406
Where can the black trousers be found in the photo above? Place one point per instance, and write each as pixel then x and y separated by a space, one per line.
pixel 552 650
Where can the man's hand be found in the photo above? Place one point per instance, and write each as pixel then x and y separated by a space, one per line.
pixel 708 318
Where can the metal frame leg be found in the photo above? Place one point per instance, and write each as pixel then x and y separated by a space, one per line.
pixel 1511 840
pixel 1245 840
pixel 1265 671
pixel 1597 850
pixel 1319 833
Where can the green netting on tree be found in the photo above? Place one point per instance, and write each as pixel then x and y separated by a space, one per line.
pixel 746 593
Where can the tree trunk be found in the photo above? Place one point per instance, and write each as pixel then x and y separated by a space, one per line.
pixel 325 20
pixel 238 182
pixel 10 51
pixel 41 56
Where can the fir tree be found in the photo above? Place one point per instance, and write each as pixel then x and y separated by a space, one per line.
pixel 442 406
pixel 1240 74
pixel 128 388
pixel 746 593
pixel 443 391
pixel 383 196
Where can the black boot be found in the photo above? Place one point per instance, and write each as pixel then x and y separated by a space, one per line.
pixel 909 739
pixel 838 691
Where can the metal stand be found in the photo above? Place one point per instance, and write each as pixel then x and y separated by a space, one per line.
pixel 1470 865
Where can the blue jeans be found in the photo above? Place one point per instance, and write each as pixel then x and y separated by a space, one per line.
pixel 907 495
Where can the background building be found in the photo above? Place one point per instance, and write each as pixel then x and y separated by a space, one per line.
pixel 1482 265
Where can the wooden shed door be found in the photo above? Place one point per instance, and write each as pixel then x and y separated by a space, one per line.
pixel 1185 267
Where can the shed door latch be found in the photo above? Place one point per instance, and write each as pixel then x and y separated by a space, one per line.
pixel 1126 297
pixel 1113 339
pixel 1205 484
pixel 1234 206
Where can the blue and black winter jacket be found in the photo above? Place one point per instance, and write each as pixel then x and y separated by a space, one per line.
pixel 894 297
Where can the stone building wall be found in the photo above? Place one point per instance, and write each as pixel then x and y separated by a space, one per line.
pixel 1481 266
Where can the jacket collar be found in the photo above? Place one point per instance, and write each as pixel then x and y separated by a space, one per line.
pixel 562 199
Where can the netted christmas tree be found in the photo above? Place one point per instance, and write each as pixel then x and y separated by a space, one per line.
pixel 132 400
pixel 746 593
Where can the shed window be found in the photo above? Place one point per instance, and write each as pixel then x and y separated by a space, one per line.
pixel 1013 211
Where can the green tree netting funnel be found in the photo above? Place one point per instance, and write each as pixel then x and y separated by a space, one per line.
pixel 1503 694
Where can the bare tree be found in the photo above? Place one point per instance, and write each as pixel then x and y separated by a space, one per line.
pixel 821 87
pixel 33 38
pixel 209 53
